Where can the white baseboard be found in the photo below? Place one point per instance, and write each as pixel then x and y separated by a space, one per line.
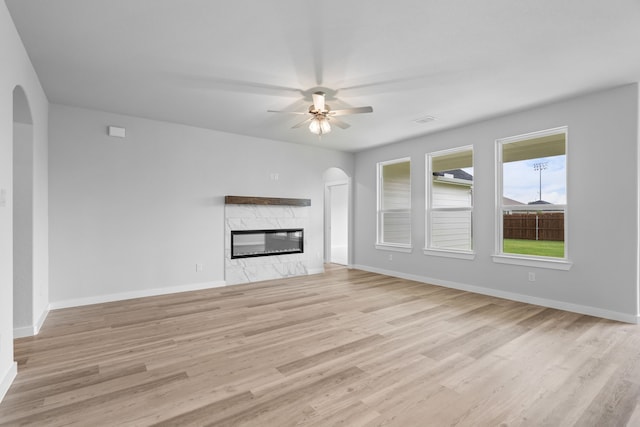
pixel 23 331
pixel 7 379
pixel 99 299
pixel 40 322
pixel 77 302
pixel 29 331
pixel 544 302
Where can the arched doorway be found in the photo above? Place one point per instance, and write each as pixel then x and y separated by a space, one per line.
pixel 22 215
pixel 337 216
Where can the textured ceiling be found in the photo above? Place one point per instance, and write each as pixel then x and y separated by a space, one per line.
pixel 223 64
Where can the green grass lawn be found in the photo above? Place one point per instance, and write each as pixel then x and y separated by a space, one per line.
pixel 534 247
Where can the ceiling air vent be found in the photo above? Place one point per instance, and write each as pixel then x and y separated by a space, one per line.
pixel 424 119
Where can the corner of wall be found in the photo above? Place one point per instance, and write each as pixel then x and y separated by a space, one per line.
pixel 32 330
pixel 7 379
pixel 637 201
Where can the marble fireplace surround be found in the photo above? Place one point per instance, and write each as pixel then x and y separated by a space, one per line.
pixel 260 213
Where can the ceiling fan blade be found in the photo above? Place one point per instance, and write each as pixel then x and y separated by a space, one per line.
pixel 347 111
pixel 339 123
pixel 318 101
pixel 302 123
pixel 199 82
pixel 287 112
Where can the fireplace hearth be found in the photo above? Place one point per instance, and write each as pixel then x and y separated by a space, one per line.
pixel 259 243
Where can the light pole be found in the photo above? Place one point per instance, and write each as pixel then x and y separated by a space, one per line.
pixel 539 167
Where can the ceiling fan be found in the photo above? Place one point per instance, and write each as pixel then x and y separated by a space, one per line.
pixel 321 116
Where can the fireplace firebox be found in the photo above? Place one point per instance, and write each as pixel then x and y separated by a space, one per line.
pixel 256 243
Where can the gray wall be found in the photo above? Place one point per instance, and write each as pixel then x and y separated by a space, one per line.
pixel 602 207
pixel 137 214
pixel 22 225
pixel 16 70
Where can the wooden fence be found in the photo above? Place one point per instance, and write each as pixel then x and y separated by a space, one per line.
pixel 534 226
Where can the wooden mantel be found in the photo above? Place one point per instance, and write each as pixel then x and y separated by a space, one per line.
pixel 244 200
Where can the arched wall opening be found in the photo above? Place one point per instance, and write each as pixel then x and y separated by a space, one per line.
pixel 337 217
pixel 23 244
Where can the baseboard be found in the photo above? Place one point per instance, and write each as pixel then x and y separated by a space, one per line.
pixel 7 379
pixel 40 322
pixel 315 271
pixel 29 331
pixel 544 302
pixel 23 331
pixel 135 294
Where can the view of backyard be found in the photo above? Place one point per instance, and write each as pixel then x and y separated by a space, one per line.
pixel 534 247
pixel 534 194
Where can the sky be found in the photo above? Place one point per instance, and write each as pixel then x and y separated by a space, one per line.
pixel 521 182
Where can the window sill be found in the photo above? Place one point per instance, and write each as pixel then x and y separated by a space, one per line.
pixel 553 264
pixel 394 248
pixel 470 255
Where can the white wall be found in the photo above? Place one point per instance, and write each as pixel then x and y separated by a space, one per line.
pixel 16 69
pixel 339 223
pixel 135 215
pixel 602 229
pixel 22 226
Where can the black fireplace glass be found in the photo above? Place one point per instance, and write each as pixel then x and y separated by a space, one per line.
pixel 255 243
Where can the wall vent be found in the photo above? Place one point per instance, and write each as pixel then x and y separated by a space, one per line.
pixel 425 119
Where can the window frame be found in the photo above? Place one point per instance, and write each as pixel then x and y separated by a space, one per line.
pixel 429 249
pixel 522 259
pixel 380 244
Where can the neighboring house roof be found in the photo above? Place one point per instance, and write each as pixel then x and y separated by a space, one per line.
pixel 454 177
pixel 508 201
pixel 457 174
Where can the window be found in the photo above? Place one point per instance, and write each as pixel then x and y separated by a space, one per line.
pixel 394 204
pixel 532 189
pixel 449 202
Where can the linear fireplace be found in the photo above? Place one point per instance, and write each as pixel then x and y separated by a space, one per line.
pixel 256 243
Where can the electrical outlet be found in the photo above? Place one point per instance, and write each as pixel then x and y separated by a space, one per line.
pixel 390 257
pixel 532 276
pixel 198 267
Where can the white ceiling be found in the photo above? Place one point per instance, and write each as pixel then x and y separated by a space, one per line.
pixel 222 64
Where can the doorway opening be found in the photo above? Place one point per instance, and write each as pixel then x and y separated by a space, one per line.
pixel 22 191
pixel 337 221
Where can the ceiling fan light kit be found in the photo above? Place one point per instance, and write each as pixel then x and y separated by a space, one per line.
pixel 319 125
pixel 322 114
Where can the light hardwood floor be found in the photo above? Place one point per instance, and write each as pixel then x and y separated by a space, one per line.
pixel 345 348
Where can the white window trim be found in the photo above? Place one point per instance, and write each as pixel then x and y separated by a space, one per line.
pixel 394 247
pixel 428 249
pixel 533 261
pixel 450 253
pixel 397 247
pixel 529 260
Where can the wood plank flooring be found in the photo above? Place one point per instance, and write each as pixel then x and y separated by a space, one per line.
pixel 346 348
